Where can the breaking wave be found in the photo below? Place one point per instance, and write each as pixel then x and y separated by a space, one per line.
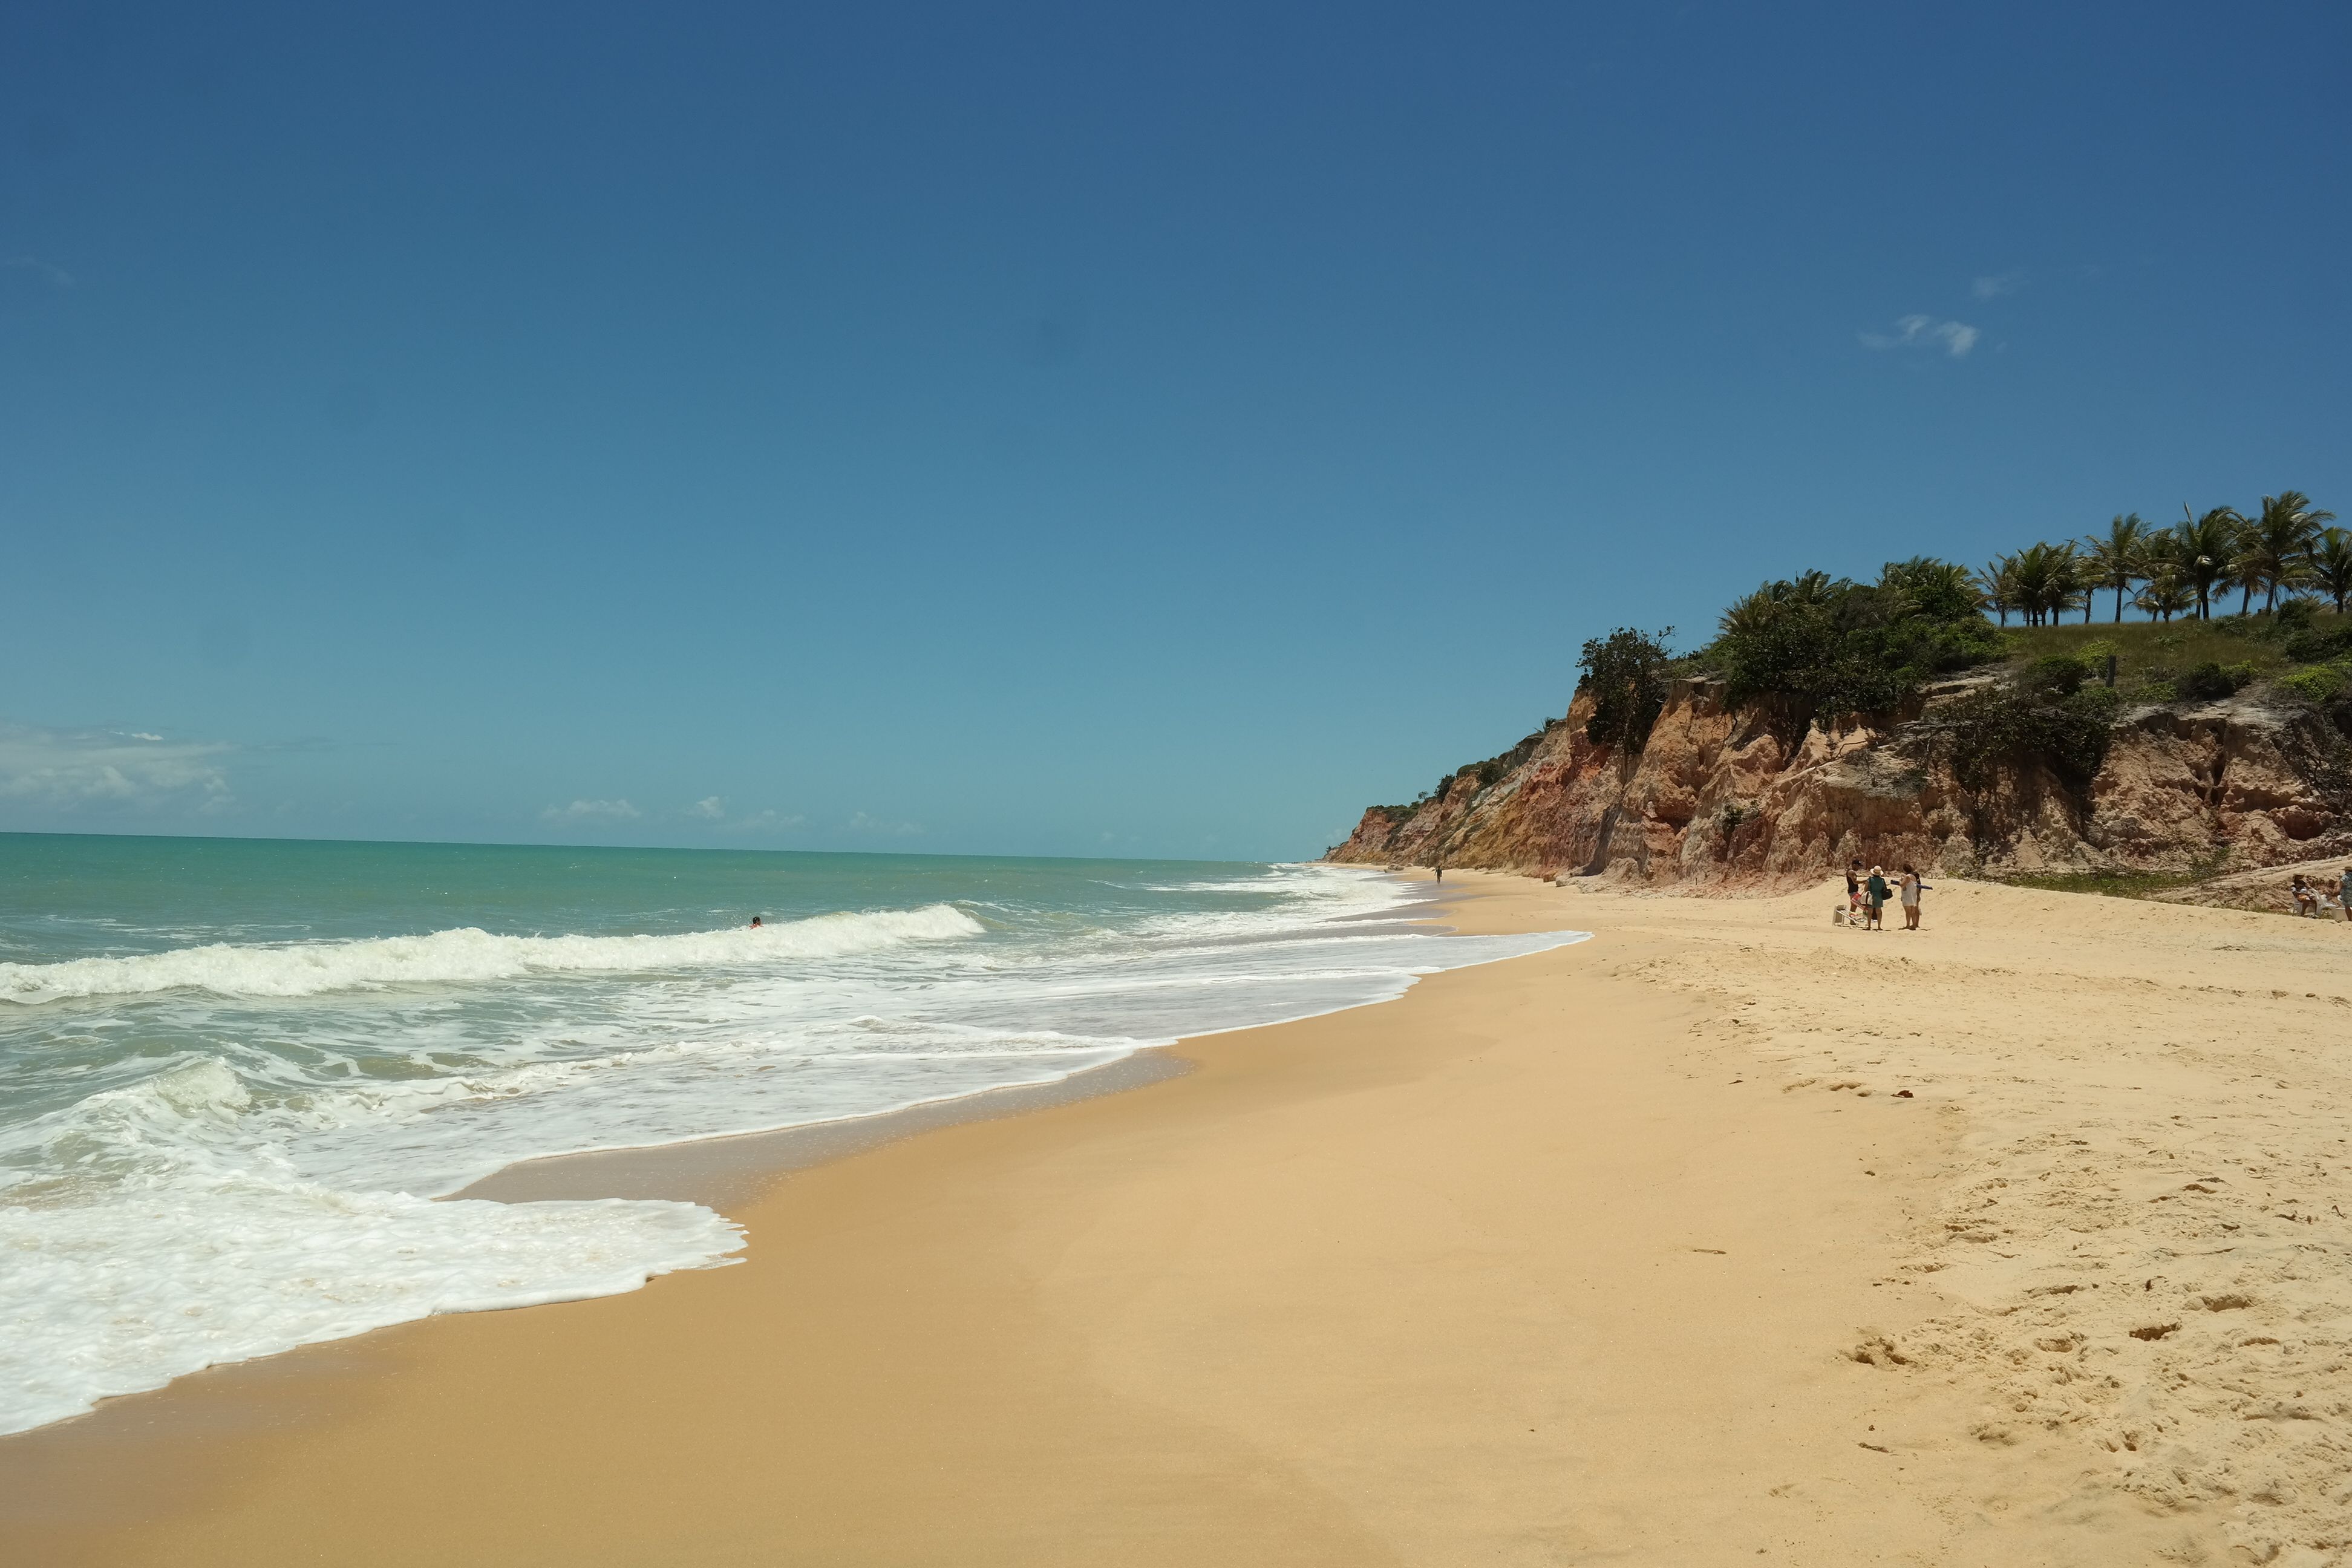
pixel 468 955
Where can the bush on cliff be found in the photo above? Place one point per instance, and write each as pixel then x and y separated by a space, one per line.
pixel 1626 674
pixel 2210 682
pixel 2307 641
pixel 1813 646
pixel 2318 686
pixel 2052 716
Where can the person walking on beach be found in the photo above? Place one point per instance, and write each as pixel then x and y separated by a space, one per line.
pixel 1909 888
pixel 1874 896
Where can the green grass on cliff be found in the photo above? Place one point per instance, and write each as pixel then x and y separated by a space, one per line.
pixel 2156 650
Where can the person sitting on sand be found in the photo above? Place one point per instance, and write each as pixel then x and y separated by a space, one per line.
pixel 1874 898
pixel 2307 903
pixel 1910 887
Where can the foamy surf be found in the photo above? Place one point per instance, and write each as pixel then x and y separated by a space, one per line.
pixel 468 956
pixel 102 1301
pixel 216 1149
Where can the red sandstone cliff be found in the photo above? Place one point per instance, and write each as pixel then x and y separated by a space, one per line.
pixel 1716 800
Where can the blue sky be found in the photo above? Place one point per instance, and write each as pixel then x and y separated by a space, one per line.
pixel 1068 429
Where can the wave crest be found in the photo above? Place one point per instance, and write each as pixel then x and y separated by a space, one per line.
pixel 469 954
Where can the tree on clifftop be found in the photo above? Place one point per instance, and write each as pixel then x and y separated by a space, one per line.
pixel 1942 590
pixel 2121 559
pixel 2204 546
pixel 2275 543
pixel 2331 565
pixel 1815 645
pixel 1626 673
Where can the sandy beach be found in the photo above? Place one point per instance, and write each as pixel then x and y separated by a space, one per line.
pixel 1725 1235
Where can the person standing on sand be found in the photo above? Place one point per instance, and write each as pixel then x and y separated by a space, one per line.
pixel 1853 887
pixel 1441 870
pixel 1874 897
pixel 2344 890
pixel 1910 886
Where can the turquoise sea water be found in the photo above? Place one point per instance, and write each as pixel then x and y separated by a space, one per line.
pixel 235 1075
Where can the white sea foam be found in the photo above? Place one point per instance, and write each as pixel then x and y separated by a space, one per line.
pixel 467 954
pixel 171 1277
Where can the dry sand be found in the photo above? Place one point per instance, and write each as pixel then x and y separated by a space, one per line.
pixel 1630 1252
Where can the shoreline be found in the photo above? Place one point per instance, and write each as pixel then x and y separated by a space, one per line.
pixel 1723 1236
pixel 737 1148
pixel 721 1172
pixel 735 1168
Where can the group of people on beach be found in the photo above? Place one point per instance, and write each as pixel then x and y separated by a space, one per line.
pixel 1866 894
pixel 2310 901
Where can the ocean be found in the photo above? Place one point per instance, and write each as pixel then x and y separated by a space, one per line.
pixel 237 1076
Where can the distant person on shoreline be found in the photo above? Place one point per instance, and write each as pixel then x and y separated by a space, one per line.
pixel 1441 870
pixel 1909 888
pixel 755 923
pixel 1874 899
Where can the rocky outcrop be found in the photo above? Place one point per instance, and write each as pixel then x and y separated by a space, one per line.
pixel 1717 800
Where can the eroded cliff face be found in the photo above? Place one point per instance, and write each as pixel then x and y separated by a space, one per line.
pixel 1716 800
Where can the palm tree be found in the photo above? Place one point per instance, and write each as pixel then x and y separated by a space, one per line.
pixel 1940 590
pixel 2275 541
pixel 2029 579
pixel 2067 584
pixel 1751 613
pixel 2048 581
pixel 2245 574
pixel 2160 557
pixel 2204 547
pixel 2121 558
pixel 2168 595
pixel 1998 582
pixel 2331 565
pixel 1809 588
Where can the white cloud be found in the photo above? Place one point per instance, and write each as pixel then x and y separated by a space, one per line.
pixel 49 272
pixel 591 811
pixel 861 822
pixel 1925 331
pixel 117 769
pixel 1993 286
pixel 712 810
